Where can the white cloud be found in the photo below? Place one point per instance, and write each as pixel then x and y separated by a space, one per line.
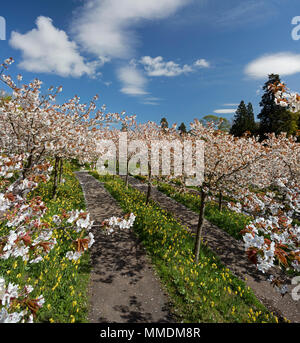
pixel 230 104
pixel 156 66
pixel 133 81
pixel 225 111
pixel 151 101
pixel 283 63
pixel 202 63
pixel 47 49
pixel 106 28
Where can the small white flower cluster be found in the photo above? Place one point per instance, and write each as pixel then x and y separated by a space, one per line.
pixel 288 100
pixel 83 224
pixel 20 244
pixel 10 293
pixel 236 207
pixel 115 223
pixel 255 203
pixel 81 219
pixel 8 61
pixel 4 203
pixel 295 264
pixel 14 317
pixel 75 255
pixel 25 211
pixel 265 260
pixel 10 164
pixel 272 235
pixel 282 243
pixel 291 196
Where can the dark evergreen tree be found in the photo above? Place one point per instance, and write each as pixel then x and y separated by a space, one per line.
pixel 164 123
pixel 273 118
pixel 182 128
pixel 250 121
pixel 243 120
pixel 239 126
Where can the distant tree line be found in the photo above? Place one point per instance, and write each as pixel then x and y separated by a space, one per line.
pixel 272 117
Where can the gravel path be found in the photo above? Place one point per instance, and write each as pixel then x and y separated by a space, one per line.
pixel 123 286
pixel 231 253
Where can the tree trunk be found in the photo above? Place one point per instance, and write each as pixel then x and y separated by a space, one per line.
pixel 220 201
pixel 126 179
pixel 200 226
pixel 27 167
pixel 54 189
pixel 148 192
pixel 149 184
pixel 184 184
pixel 61 165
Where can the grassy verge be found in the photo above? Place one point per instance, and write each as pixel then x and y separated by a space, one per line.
pixel 206 292
pixel 228 220
pixel 62 282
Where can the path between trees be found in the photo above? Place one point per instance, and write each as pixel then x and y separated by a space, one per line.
pixel 123 286
pixel 231 253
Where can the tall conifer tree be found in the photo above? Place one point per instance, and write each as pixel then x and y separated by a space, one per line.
pixel 182 128
pixel 239 125
pixel 250 122
pixel 164 123
pixel 273 118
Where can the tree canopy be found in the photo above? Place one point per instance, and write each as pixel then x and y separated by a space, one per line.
pixel 219 122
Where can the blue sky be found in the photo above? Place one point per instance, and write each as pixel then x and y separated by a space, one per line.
pixel 182 59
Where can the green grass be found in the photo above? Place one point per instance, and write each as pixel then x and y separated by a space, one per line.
pixel 228 220
pixel 207 292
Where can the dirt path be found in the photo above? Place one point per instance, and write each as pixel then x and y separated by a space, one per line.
pixel 231 253
pixel 123 286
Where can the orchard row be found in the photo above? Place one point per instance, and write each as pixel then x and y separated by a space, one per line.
pixel 258 178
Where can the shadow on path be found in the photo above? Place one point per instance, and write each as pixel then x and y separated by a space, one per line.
pixel 123 286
